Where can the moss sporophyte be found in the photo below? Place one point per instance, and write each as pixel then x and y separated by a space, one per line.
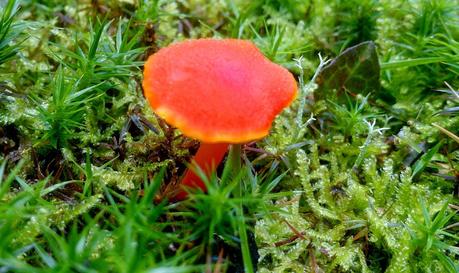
pixel 220 92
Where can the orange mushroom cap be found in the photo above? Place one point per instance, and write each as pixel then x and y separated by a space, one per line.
pixel 217 90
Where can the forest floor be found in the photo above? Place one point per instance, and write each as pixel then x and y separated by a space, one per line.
pixel 359 174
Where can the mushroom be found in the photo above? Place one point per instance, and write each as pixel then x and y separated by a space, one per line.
pixel 220 92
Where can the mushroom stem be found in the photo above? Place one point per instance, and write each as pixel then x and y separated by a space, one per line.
pixel 207 158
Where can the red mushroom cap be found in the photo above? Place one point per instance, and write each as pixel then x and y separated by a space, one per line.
pixel 217 90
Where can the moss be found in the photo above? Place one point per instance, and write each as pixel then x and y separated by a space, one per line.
pixel 344 183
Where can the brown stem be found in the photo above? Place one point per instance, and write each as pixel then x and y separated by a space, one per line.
pixel 207 158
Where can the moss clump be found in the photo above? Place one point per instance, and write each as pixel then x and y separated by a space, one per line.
pixel 358 175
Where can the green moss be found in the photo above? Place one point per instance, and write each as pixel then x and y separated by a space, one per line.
pixel 351 178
